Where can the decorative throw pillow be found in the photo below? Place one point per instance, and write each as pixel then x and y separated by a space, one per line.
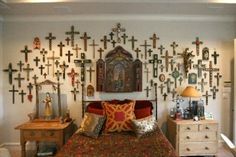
pixel 144 126
pixel 91 125
pixel 119 116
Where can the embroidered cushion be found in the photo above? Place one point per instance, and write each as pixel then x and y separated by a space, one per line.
pixel 91 125
pixel 118 116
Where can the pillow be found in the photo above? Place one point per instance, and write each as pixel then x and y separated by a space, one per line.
pixel 143 112
pixel 144 126
pixel 119 116
pixel 91 125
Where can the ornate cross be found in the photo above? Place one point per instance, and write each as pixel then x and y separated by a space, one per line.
pixel 132 40
pixel 105 40
pixel 145 48
pixel 20 64
pixel 155 62
pixel 74 91
pixel 154 39
pixel 69 54
pixel 63 67
pixel 100 52
pixel 197 42
pixel 118 30
pixel 30 96
pixel 199 67
pixel 137 52
pixel 147 72
pixel 161 87
pixel 90 73
pixel 61 45
pixel 76 48
pixel 167 57
pixel 48 65
pixel 218 76
pixel 174 45
pixel 124 36
pixel 202 83
pixel 10 71
pixel 214 91
pixel 13 90
pixel 43 52
pixel 168 84
pixel 94 46
pixel 215 55
pixel 36 61
pixel 22 94
pixel 85 38
pixel 72 34
pixel 28 70
pixel 72 74
pixel 53 58
pixel 26 51
pixel 147 89
pixel 50 38
pixel 210 70
pixel 207 96
pixel 161 48
pixel 187 60
pixel 41 69
pixel 19 79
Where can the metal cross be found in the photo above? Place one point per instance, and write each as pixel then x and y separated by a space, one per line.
pixel 211 70
pixel 48 65
pixel 206 95
pixel 90 73
pixel 72 34
pixel 26 51
pixel 19 79
pixel 132 40
pixel 94 46
pixel 100 52
pixel 167 57
pixel 145 48
pixel 10 71
pixel 147 72
pixel 214 90
pixel 197 42
pixel 105 40
pixel 85 38
pixel 43 52
pixel 74 91
pixel 61 45
pixel 63 67
pixel 137 52
pixel 124 36
pixel 215 55
pixel 202 83
pixel 20 64
pixel 28 69
pixel 174 45
pixel 154 39
pixel 22 94
pixel 50 38
pixel 147 89
pixel 41 69
pixel 53 58
pixel 218 76
pixel 69 54
pixel 36 61
pixel 199 67
pixel 161 48
pixel 155 62
pixel 118 30
pixel 13 90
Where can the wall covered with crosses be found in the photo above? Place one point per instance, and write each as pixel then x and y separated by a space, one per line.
pixel 59 55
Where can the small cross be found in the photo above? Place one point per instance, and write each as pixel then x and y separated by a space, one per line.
pixel 53 58
pixel 137 50
pixel 118 30
pixel 76 48
pixel 19 79
pixel 50 38
pixel 43 52
pixel 172 62
pixel 58 74
pixel 77 83
pixel 94 46
pixel 57 63
pixel 161 48
pixel 150 52
pixel 155 62
pixel 48 65
pixel 36 61
pixel 85 38
pixel 168 83
pixel 145 48
pixel 165 96
pixel 113 43
pixel 30 87
pixel 174 45
pixel 61 45
pixel 72 74
pixel 28 69
pixel 218 76
pixel 22 94
pixel 45 75
pixel 100 52
pixel 111 35
pixel 197 42
pixel 26 51
pixel 215 55
pixel 69 54
pixel 211 70
pixel 173 92
pixel 199 67
pixel 161 87
pixel 74 91
pixel 145 65
pixel 30 96
pixel 90 73
pixel 147 89
pixel 35 79
pixel 67 41
pixel 13 90
pixel 124 36
pixel 162 67
pixel 10 71
pixel 72 34
pixel 167 57
pixel 20 64
pixel 207 96
pixel 41 69
pixel 214 91
pixel 147 72
pixel 202 83
pixel 154 39
pixel 63 67
pixel 180 81
pixel 105 40
pixel 133 40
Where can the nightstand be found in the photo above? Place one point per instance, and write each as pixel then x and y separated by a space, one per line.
pixel 191 138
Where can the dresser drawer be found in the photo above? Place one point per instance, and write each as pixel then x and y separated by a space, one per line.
pixel 208 127
pixel 41 134
pixel 198 148
pixel 188 127
pixel 197 136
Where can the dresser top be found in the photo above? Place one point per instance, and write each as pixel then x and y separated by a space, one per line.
pixel 190 121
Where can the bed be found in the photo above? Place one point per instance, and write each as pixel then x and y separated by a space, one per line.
pixel 118 144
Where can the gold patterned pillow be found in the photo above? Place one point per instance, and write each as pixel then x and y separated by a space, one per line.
pixel 91 125
pixel 144 126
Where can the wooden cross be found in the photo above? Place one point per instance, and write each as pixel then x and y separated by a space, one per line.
pixel 72 34
pixel 41 69
pixel 94 46
pixel 10 71
pixel 111 35
pixel 19 79
pixel 206 95
pixel 63 67
pixel 155 62
pixel 202 83
pixel 124 36
pixel 149 52
pixel 168 84
pixel 53 58
pixel 218 76
pixel 105 40
pixel 173 92
pixel 30 96
pixel 137 52
pixel 61 45
pixel 50 38
pixel 69 54
pixel 154 39
pixel 197 42
pixel 67 41
pixel 58 74
pixel 48 65
pixel 22 94
pixel 57 63
pixel 161 48
pixel 211 70
pixel 74 91
pixel 100 52
pixel 180 81
pixel 72 74
pixel 165 96
pixel 147 72
pixel 85 38
pixel 35 78
pixel 199 67
pixel 113 43
pixel 147 89
pixel 118 30
pixel 172 62
pixel 215 55
pixel 175 74
pixel 28 70
pixel 43 52
pixel 26 51
pixel 90 73
pixel 162 67
pixel 20 64
pixel 36 61
pixel 161 87
pixel 132 40
pixel 214 90
pixel 167 57
pixel 76 48
pixel 13 90
pixel 145 48
pixel 174 45
pixel 45 75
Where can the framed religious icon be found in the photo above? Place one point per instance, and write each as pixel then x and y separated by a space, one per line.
pixel 192 78
pixel 205 53
pixel 162 77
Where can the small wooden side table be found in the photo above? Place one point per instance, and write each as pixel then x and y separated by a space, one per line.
pixel 47 131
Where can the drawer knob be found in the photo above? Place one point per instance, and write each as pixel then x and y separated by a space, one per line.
pixel 187 149
pixel 188 137
pixel 206 148
pixel 188 128
pixel 206 137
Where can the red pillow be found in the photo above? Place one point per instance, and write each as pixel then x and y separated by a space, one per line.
pixel 142 112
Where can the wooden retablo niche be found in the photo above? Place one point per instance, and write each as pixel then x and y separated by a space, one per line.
pixel 119 73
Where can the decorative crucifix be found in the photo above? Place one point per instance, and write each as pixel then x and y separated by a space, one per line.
pixel 147 72
pixel 61 45
pixel 197 42
pixel 72 34
pixel 74 91
pixel 100 52
pixel 124 36
pixel 69 54
pixel 175 74
pixel 137 50
pixel 90 73
pixel 215 55
pixel 43 52
pixel 94 46
pixel 63 67
pixel 26 51
pixel 199 67
pixel 36 61
pixel 187 60
pixel 167 57
pixel 118 30
pixel 105 40
pixel 22 94
pixel 161 87
pixel 154 39
pixel 147 89
pixel 133 40
pixel 19 79
pixel 73 74
pixel 10 71
pixel 211 70
pixel 48 65
pixel 30 96
pixel 58 74
pixel 161 48
pixel 218 76
pixel 20 64
pixel 155 62
pixel 50 38
pixel 53 58
pixel 145 48
pixel 168 84
pixel 76 49
pixel 202 83
pixel 28 70
pixel 85 38
pixel 174 45
pixel 207 96
pixel 13 90
pixel 41 69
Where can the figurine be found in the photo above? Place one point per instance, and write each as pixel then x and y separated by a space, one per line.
pixel 48 106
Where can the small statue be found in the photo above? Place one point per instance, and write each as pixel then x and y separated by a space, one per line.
pixel 48 106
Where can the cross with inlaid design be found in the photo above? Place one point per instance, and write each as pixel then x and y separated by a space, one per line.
pixel 118 30
pixel 215 55
pixel 207 96
pixel 154 39
pixel 19 79
pixel 197 42
pixel 53 58
pixel 28 70
pixel 63 67
pixel 133 40
pixel 74 91
pixel 43 52
pixel 22 94
pixel 20 64
pixel 69 54
pixel 36 60
pixel 167 57
pixel 90 73
pixel 211 70
pixel 72 34
pixel 94 45
pixel 105 40
pixel 202 83
pixel 50 38
pixel 10 71
pixel 175 74
pixel 13 90
pixel 85 38
pixel 155 62
pixel 61 45
pixel 26 51
pixel 145 45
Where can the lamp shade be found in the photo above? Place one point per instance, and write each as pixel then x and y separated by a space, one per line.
pixel 190 91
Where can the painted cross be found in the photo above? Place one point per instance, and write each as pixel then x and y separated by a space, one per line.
pixel 36 61
pixel 48 65
pixel 197 42
pixel 147 89
pixel 13 90
pixel 133 40
pixel 118 30
pixel 69 54
pixel 20 64
pixel 211 70
pixel 28 70
pixel 207 96
pixel 94 46
pixel 74 91
pixel 218 76
pixel 63 67
pixel 111 35
pixel 19 79
pixel 105 40
pixel 72 74
pixel 76 49
pixel 61 45
pixel 10 71
pixel 90 73
pixel 137 50
pixel 174 45
pixel 155 62
pixel 67 41
pixel 124 36
pixel 43 52
pixel 215 55
pixel 26 51
pixel 202 83
pixel 22 94
pixel 168 84
pixel 145 48
pixel 53 58
pixel 57 63
pixel 165 96
pixel 167 57
pixel 35 78
pixel 58 74
pixel 85 38
pixel 30 96
pixel 50 38
pixel 173 92
pixel 199 66
pixel 147 72
pixel 72 34
pixel 175 74
pixel 161 87
pixel 41 69
pixel 100 52
pixel 154 39
pixel 113 43
pixel 161 48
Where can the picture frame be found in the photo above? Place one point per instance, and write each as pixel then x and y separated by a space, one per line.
pixel 192 78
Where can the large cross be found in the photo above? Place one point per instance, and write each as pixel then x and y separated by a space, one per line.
pixel 50 38
pixel 206 95
pixel 218 76
pixel 167 57
pixel 28 70
pixel 147 72
pixel 13 90
pixel 53 58
pixel 168 84
pixel 199 67
pixel 155 61
pixel 63 67
pixel 94 46
pixel 19 79
pixel 41 69
pixel 214 90
pixel 22 94
pixel 74 91
pixel 105 40
pixel 202 83
pixel 211 70
pixel 10 71
pixel 132 40
pixel 61 45
pixel 124 36
pixel 72 34
pixel 36 60
pixel 118 30
pixel 161 48
pixel 90 73
pixel 154 39
pixel 43 52
pixel 20 64
pixel 26 51
pixel 69 54
pixel 197 42
pixel 215 55
pixel 147 89
pixel 48 65
pixel 174 45
pixel 76 48
pixel 72 74
pixel 85 38
pixel 145 45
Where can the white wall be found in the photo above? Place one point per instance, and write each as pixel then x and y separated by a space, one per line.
pixel 16 34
